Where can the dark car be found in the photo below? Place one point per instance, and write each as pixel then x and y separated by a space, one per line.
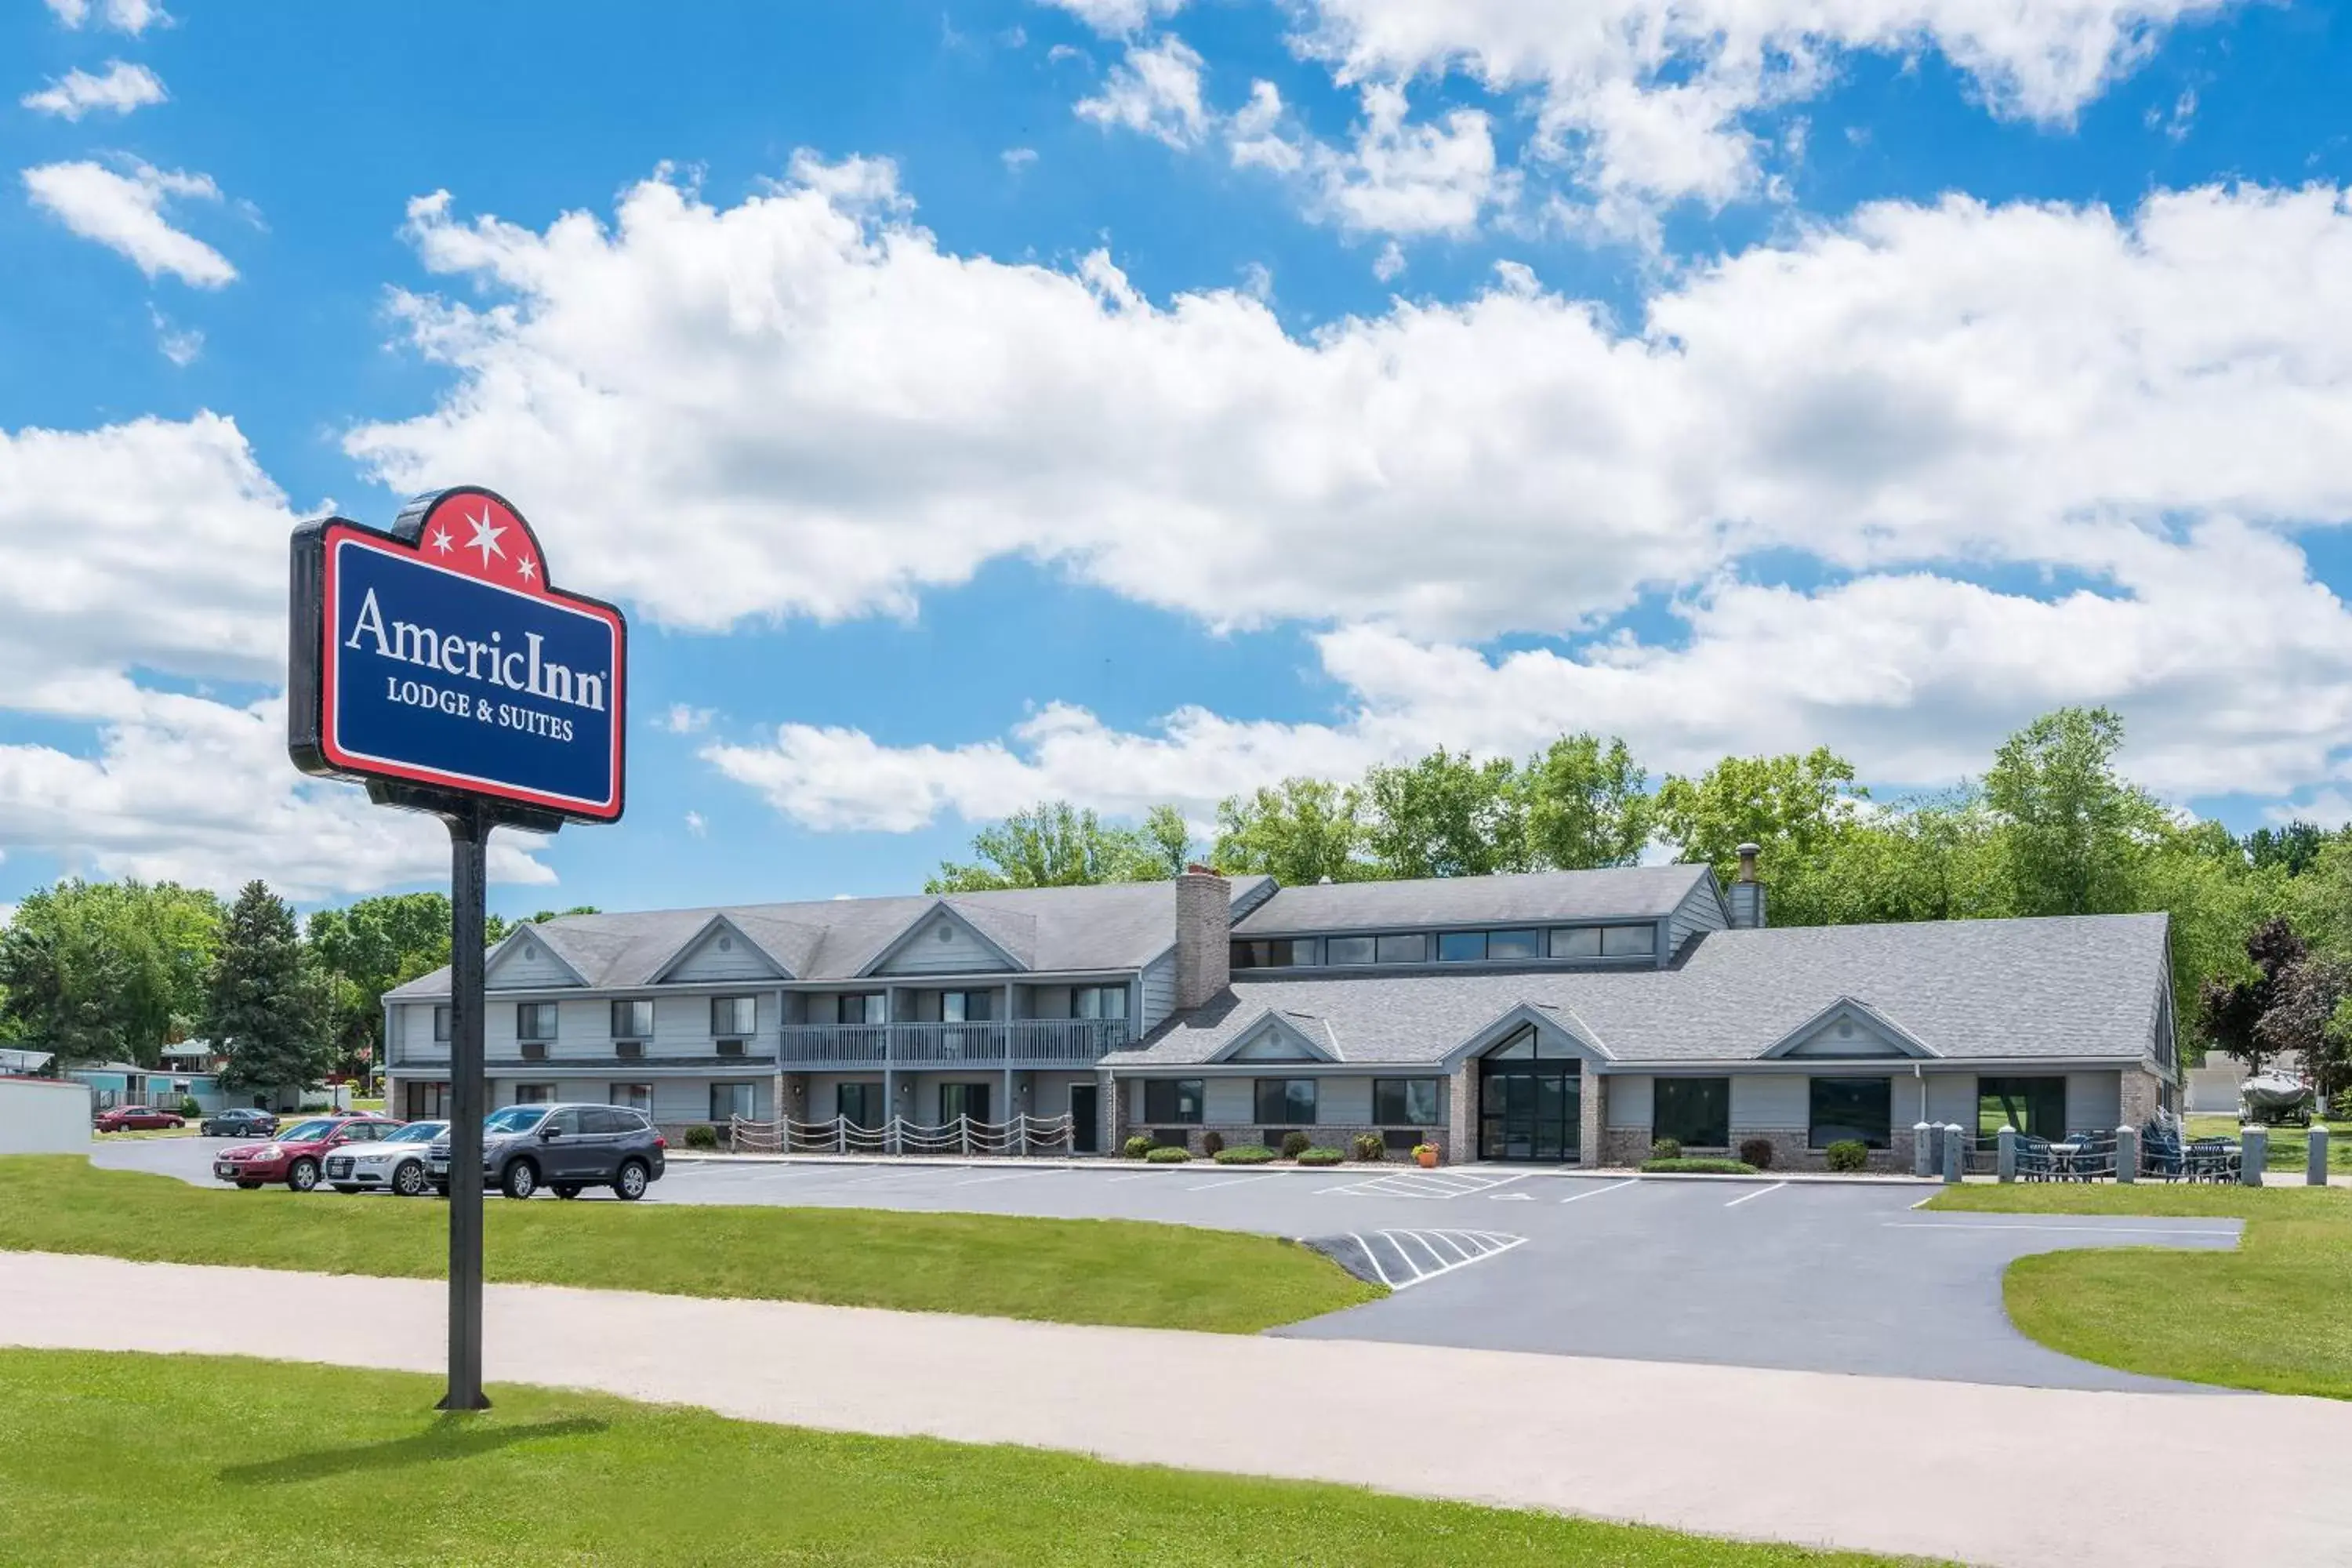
pixel 137 1119
pixel 294 1156
pixel 238 1122
pixel 564 1148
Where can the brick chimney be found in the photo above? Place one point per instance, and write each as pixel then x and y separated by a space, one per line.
pixel 1747 894
pixel 1204 931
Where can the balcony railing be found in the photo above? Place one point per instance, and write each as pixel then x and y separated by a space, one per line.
pixel 1019 1042
pixel 758 1052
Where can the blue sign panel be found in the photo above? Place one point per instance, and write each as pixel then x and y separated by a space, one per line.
pixel 441 658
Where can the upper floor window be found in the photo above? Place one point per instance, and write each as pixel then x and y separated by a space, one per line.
pixel 440 1023
pixel 633 1020
pixel 1098 1002
pixel 1282 953
pixel 1461 947
pixel 1604 941
pixel 1409 947
pixel 1514 944
pixel 1348 949
pixel 534 1020
pixel 964 1006
pixel 734 1016
pixel 862 1007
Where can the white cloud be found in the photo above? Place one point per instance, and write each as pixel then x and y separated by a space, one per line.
pixel 122 89
pixel 154 551
pixel 125 213
pixel 696 825
pixel 1113 18
pixel 182 345
pixel 132 17
pixel 1389 266
pixel 2234 668
pixel 685 719
pixel 1155 90
pixel 1018 158
pixel 1435 177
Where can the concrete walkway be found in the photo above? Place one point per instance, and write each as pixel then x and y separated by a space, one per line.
pixel 1987 1475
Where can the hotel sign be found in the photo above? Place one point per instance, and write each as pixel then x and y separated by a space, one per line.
pixel 439 661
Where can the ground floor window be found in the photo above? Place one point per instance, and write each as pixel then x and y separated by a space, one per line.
pixel 631 1096
pixel 731 1099
pixel 1173 1099
pixel 1694 1111
pixel 963 1100
pixel 1850 1109
pixel 2035 1106
pixel 1285 1101
pixel 859 1104
pixel 1405 1101
pixel 426 1101
pixel 534 1094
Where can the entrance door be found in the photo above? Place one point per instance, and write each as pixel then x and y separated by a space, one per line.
pixel 1085 1109
pixel 962 1099
pixel 1530 1102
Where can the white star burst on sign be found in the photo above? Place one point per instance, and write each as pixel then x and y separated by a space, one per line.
pixel 486 538
pixel 441 540
pixel 527 569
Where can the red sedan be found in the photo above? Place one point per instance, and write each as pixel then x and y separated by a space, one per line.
pixel 137 1119
pixel 293 1156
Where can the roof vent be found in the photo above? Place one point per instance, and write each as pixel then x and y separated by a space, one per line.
pixel 726 944
pixel 944 932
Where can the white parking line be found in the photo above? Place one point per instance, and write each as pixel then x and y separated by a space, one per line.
pixel 1133 1176
pixel 886 1177
pixel 999 1176
pixel 1235 1181
pixel 1469 1247
pixel 1596 1191
pixel 1435 1185
pixel 2067 1229
pixel 1757 1193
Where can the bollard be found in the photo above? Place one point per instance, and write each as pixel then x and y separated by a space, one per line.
pixel 2005 1162
pixel 1955 1154
pixel 2253 1154
pixel 2127 1153
pixel 1922 1149
pixel 2315 1157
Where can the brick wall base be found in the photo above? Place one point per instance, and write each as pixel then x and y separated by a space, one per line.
pixel 1325 1135
pixel 1624 1147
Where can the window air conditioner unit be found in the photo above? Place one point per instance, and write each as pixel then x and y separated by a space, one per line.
pixel 731 1048
pixel 534 1050
pixel 629 1050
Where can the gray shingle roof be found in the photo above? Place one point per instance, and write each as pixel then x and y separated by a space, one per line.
pixel 1119 925
pixel 2079 987
pixel 1637 893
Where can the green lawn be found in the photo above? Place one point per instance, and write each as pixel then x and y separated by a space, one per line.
pixel 2270 1315
pixel 2288 1145
pixel 123 1459
pixel 1071 1271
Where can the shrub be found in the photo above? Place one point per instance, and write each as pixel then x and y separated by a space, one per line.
pixel 1321 1156
pixel 1136 1147
pixel 1169 1155
pixel 189 1108
pixel 702 1138
pixel 1848 1154
pixel 1372 1146
pixel 1756 1151
pixel 1213 1143
pixel 1698 1165
pixel 1244 1154
pixel 1294 1144
pixel 1666 1149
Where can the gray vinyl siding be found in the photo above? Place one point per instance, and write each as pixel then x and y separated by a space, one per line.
pixel 1767 1101
pixel 1158 992
pixel 1699 910
pixel 2095 1101
pixel 1344 1101
pixel 923 953
pixel 538 969
pixel 1229 1101
pixel 708 961
pixel 1951 1098
pixel 1631 1099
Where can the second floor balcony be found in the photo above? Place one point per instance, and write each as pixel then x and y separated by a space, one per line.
pixel 1017 1042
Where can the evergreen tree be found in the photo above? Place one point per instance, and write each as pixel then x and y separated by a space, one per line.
pixel 265 1006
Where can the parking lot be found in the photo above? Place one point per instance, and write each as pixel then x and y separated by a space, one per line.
pixel 1809 1275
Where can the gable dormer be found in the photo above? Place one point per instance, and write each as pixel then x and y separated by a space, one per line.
pixel 524 961
pixel 1282 1037
pixel 940 940
pixel 1850 1030
pixel 720 951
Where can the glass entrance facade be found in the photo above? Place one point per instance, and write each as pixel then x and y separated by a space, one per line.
pixel 1530 1100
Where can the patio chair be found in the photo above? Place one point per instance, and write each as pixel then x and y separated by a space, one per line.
pixel 2035 1162
pixel 2160 1151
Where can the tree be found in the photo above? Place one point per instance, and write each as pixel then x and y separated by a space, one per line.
pixel 1445 815
pixel 2294 849
pixel 2302 1019
pixel 1792 806
pixel 2071 829
pixel 544 916
pixel 366 950
pixel 1305 831
pixel 1166 840
pixel 2234 1009
pixel 265 1004
pixel 1584 805
pixel 106 971
pixel 1054 845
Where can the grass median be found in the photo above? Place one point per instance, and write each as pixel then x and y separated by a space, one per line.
pixel 188 1460
pixel 1120 1272
pixel 2268 1315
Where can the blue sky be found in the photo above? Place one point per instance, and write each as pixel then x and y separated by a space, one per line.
pixel 1134 399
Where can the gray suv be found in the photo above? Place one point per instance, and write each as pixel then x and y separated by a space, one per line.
pixel 564 1148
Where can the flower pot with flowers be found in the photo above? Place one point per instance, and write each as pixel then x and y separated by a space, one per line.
pixel 1426 1153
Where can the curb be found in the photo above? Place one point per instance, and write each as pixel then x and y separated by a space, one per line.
pixel 1369 1168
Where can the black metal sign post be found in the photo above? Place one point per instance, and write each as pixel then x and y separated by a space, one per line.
pixel 437 665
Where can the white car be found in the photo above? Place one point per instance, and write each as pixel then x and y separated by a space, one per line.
pixel 394 1163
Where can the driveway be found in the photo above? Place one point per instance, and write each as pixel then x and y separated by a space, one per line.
pixel 1802 1275
pixel 2002 1475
